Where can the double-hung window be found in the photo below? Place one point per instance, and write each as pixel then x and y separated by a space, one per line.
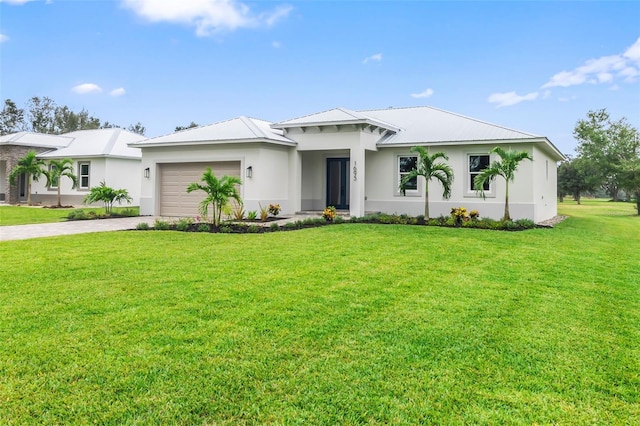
pixel 84 169
pixel 406 163
pixel 53 184
pixel 476 164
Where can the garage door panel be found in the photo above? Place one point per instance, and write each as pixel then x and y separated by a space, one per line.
pixel 174 179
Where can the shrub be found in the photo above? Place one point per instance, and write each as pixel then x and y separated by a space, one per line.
pixel 77 215
pixel 225 229
pixel 108 196
pixel 238 212
pixel 274 226
pixel 203 227
pixel 459 215
pixel 338 219
pixel 290 225
pixel 252 215
pixel 264 213
pixel 142 226
pixel 161 225
pixel 329 213
pixel 474 215
pixel 253 229
pixel 526 223
pixel 274 209
pixel 184 224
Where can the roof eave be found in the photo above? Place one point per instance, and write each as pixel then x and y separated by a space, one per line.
pixel 210 142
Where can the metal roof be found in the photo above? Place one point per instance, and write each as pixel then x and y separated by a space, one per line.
pixel 239 129
pixel 336 116
pixel 98 143
pixel 36 140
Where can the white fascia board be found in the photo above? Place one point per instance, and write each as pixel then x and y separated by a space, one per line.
pixel 209 142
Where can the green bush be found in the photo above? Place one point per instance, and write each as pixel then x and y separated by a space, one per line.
pixel 526 223
pixel 142 226
pixel 338 219
pixel 184 224
pixel 161 225
pixel 203 227
pixel 274 226
pixel 225 229
pixel 253 229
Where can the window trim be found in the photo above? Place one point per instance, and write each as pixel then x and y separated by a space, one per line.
pixel 398 177
pixel 80 175
pixel 51 186
pixel 469 191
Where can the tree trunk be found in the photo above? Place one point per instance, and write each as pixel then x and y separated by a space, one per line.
pixel 506 204
pixel 426 204
pixel 638 201
pixel 28 190
pixel 59 203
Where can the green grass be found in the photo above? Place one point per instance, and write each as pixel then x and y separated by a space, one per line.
pixel 21 215
pixel 345 324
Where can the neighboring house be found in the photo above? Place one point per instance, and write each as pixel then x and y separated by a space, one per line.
pixel 98 155
pixel 15 146
pixel 353 160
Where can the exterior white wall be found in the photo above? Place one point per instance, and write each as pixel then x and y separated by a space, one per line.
pixel 545 177
pixel 270 165
pixel 126 174
pixel 382 182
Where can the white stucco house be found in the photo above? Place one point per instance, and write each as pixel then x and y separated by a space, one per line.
pixel 98 155
pixel 353 160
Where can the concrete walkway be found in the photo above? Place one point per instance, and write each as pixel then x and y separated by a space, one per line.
pixel 25 232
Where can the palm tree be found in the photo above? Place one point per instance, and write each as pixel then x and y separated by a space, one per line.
pixel 108 196
pixel 219 191
pixel 506 168
pixel 429 168
pixel 58 169
pixel 29 165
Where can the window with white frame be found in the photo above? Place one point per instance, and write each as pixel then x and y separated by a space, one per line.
pixel 476 164
pixel 406 163
pixel 53 184
pixel 84 169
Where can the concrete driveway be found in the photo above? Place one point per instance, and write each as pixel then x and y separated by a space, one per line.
pixel 25 232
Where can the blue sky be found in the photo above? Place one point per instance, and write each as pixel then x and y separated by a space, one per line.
pixel 532 66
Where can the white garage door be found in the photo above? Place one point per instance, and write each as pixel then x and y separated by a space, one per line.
pixel 174 179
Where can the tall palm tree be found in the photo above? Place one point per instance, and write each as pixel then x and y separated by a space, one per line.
pixel 57 170
pixel 219 191
pixel 429 168
pixel 506 167
pixel 31 166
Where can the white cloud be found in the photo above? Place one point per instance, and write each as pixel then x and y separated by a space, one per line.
pixel 565 99
pixel 510 98
pixel 276 44
pixel 601 70
pixel 207 16
pixel 118 92
pixel 86 88
pixel 427 93
pixel 377 57
pixel 15 1
pixel 3 38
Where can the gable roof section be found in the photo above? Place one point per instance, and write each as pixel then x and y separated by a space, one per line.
pixel 236 130
pixel 99 143
pixel 335 117
pixel 36 140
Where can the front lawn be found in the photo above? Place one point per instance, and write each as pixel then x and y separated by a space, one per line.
pixel 346 324
pixel 23 215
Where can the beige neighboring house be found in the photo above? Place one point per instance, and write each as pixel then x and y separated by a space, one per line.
pixel 98 155
pixel 352 160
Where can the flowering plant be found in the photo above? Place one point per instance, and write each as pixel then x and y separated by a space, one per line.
pixel 274 209
pixel 474 214
pixel 329 213
pixel 459 214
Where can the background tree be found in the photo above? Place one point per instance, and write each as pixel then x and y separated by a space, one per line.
pixel 429 168
pixel 574 179
pixel 137 128
pixel 604 145
pixel 190 126
pixel 11 118
pixel 65 120
pixel 41 114
pixel 31 166
pixel 57 170
pixel 107 195
pixel 506 167
pixel 219 192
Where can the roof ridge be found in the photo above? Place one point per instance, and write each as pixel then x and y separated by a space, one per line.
pixel 308 115
pixel 112 141
pixel 252 126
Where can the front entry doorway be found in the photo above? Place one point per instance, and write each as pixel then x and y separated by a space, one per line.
pixel 22 187
pixel 338 183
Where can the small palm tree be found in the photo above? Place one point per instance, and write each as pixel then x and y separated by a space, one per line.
pixel 58 169
pixel 108 196
pixel 506 168
pixel 429 168
pixel 29 165
pixel 219 192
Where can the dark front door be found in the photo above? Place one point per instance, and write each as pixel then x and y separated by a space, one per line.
pixel 338 183
pixel 22 187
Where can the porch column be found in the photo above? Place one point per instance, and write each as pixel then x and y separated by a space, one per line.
pixel 295 181
pixel 356 179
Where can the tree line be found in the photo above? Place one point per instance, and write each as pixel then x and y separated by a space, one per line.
pixel 608 159
pixel 43 115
